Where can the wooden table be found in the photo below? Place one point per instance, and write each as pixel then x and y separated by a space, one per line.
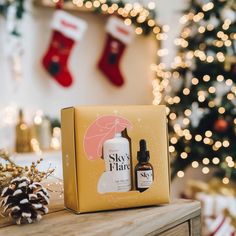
pixel 180 218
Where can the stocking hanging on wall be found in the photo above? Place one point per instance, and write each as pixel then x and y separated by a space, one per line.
pixel 119 35
pixel 66 30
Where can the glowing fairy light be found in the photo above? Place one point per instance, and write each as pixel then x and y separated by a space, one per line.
pixel 225 180
pixel 215 160
pixel 180 174
pixel 195 164
pixel 205 170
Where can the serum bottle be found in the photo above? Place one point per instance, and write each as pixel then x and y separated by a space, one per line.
pixel 116 154
pixel 143 170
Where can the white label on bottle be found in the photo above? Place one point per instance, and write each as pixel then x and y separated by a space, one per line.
pixel 144 178
pixel 116 155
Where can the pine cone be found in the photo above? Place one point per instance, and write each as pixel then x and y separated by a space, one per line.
pixel 24 201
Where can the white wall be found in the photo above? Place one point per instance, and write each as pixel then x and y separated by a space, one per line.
pixel 37 90
pixel 169 12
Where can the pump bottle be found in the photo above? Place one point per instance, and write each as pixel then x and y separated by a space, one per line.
pixel 116 154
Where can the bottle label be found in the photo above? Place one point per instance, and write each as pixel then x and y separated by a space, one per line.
pixel 144 178
pixel 116 155
pixel 119 164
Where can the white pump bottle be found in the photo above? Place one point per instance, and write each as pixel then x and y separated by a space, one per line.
pixel 116 154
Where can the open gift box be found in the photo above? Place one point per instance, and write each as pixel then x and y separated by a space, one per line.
pixel 115 157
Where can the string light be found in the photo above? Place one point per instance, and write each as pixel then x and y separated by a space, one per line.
pixel 221 110
pixel 173 140
pixel 128 21
pixel 165 28
pixel 220 56
pixel 138 30
pixel 210 59
pixel 211 104
pixel 208 6
pixel 206 161
pixel 151 22
pixel 231 164
pixel 104 7
pixel 156 30
pixel 195 81
pixel 180 174
pixel 215 160
pixel 172 116
pixel 230 96
pixel 198 17
pixel 226 143
pixel 198 137
pixel 88 4
pixel 226 24
pixel 206 78
pixel 187 112
pixel 186 121
pixel 229 82
pixel 171 148
pixel 186 91
pixel 201 29
pixel 195 164
pixel 205 170
pixel 151 5
pixel 225 180
pixel 212 89
pixel 183 155
pixel 206 140
pixel 218 144
pixel 208 133
pixel 220 78
pixel 96 4
pixel 210 27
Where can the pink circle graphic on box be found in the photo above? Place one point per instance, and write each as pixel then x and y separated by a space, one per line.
pixel 103 128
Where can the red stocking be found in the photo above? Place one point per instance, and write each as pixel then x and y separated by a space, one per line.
pixel 66 30
pixel 119 35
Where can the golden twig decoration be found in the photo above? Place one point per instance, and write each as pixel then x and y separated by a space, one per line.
pixel 10 171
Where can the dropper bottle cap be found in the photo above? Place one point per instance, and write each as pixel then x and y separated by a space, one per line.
pixel 117 135
pixel 143 154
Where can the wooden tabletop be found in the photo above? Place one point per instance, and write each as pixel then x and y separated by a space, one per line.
pixel 177 218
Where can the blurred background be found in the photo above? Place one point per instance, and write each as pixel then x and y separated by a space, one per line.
pixel 180 53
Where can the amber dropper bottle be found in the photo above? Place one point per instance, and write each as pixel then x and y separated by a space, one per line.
pixel 143 170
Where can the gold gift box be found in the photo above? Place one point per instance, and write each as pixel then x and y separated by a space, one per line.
pixel 81 174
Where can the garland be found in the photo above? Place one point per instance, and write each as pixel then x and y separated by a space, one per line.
pixel 142 17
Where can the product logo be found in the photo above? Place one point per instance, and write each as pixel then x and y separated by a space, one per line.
pixel 146 175
pixel 119 162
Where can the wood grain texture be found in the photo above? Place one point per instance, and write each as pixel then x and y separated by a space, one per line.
pixel 182 229
pixel 139 221
pixel 195 225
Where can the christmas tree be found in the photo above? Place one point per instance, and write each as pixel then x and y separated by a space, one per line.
pixel 202 101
